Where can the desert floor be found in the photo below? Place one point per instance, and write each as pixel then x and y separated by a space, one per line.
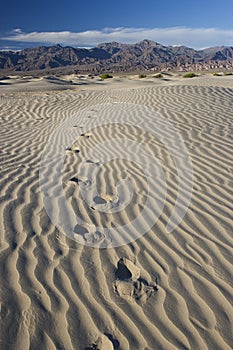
pixel 95 286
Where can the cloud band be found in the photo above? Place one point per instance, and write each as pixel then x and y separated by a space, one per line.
pixel 193 37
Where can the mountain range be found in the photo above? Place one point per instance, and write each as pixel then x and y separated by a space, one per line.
pixel 116 57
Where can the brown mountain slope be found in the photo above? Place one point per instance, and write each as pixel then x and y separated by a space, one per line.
pixel 146 54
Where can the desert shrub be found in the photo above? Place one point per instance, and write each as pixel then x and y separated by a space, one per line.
pixel 215 74
pixel 189 75
pixel 228 73
pixel 142 76
pixel 105 76
pixel 158 76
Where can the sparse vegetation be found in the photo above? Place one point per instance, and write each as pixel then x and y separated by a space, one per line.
pixel 142 76
pixel 105 76
pixel 228 73
pixel 158 76
pixel 215 74
pixel 190 75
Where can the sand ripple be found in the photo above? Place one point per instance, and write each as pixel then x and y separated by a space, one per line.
pixel 58 294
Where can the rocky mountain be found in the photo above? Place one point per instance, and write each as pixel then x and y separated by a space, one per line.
pixel 219 53
pixel 49 57
pixel 145 55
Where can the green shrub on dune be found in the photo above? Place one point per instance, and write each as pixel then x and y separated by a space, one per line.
pixel 158 76
pixel 105 76
pixel 190 75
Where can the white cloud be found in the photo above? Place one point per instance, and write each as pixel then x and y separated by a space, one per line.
pixel 192 37
pixel 17 31
pixel 9 48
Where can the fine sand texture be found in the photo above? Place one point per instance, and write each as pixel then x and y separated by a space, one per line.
pixel 168 290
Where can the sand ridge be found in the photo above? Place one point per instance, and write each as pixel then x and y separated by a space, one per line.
pixel 58 294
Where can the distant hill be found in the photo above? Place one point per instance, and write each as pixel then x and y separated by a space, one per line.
pixel 116 57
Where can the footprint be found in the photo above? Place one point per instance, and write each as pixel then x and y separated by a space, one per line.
pixel 75 179
pixel 129 285
pixel 91 236
pixel 71 149
pixel 129 290
pixel 94 236
pixel 102 343
pixel 80 180
pixel 126 270
pixel 99 200
pixel 106 202
pixel 87 135
pixel 124 289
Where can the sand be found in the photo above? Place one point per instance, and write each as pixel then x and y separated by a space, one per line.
pixel 164 290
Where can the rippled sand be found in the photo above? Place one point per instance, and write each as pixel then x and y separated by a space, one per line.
pixel 57 293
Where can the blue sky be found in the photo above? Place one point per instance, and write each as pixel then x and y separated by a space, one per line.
pixel 83 23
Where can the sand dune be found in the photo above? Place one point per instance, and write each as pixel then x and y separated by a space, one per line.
pixel 176 291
